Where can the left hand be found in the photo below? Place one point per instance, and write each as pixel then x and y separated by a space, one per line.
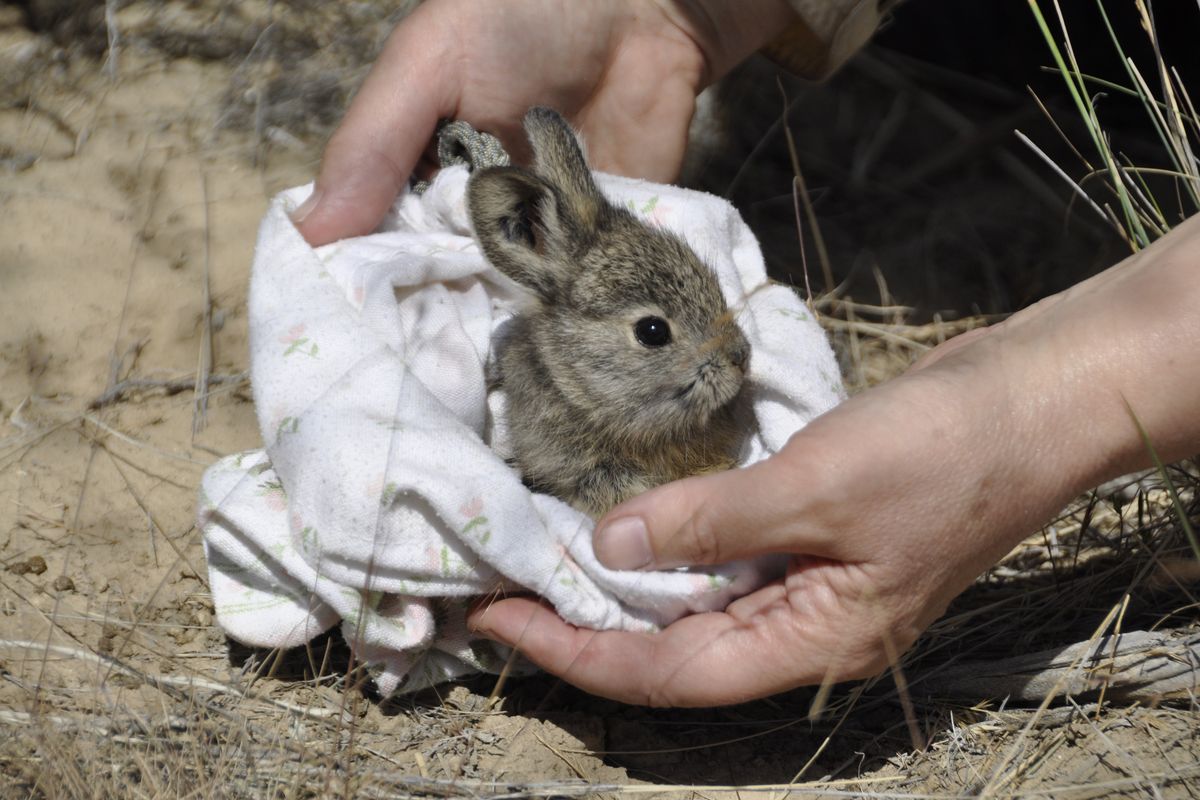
pixel 625 72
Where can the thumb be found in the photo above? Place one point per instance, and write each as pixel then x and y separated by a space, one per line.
pixel 372 154
pixel 714 519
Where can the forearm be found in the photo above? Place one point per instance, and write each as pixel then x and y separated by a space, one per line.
pixel 991 436
pixel 1122 343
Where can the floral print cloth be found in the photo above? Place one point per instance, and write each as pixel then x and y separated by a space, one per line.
pixel 381 499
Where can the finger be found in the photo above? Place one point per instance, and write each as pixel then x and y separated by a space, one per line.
pixel 714 519
pixel 372 154
pixel 697 661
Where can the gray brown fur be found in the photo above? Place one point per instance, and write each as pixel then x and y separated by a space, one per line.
pixel 594 416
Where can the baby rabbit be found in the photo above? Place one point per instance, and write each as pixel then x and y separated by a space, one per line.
pixel 624 373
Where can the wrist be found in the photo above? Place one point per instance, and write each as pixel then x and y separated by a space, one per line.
pixel 728 33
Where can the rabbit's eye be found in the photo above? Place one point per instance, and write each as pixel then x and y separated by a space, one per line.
pixel 652 331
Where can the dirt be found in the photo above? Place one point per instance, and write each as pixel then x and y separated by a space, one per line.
pixel 130 193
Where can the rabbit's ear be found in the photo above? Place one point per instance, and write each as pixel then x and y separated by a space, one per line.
pixel 517 221
pixel 558 159
pixel 532 225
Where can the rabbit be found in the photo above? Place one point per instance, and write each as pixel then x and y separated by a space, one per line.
pixel 625 371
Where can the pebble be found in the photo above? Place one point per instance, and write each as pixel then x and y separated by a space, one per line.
pixel 32 566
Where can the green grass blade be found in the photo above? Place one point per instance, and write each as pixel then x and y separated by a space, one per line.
pixel 1178 152
pixel 1152 212
pixel 1074 83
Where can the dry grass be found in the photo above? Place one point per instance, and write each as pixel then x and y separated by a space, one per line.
pixel 114 681
pixel 113 706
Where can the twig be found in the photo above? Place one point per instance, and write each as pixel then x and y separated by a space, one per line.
pixel 101 725
pixel 168 387
pixel 877 331
pixel 910 717
pixel 800 189
pixel 834 302
pixel 111 431
pixel 205 356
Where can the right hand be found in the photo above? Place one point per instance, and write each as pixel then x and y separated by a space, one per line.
pixel 891 503
pixel 625 73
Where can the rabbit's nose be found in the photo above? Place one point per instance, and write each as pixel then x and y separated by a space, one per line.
pixel 739 355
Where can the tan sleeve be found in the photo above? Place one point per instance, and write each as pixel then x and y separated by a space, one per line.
pixel 826 34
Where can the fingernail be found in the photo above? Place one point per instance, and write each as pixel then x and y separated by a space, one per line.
pixel 306 208
pixel 475 623
pixel 624 544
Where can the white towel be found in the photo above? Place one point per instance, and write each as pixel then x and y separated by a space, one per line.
pixel 382 498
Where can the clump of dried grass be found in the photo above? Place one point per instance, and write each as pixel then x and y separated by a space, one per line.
pixel 875 342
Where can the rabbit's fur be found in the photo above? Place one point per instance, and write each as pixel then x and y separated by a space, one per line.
pixel 595 415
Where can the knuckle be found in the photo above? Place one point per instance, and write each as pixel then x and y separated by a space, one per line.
pixel 700 541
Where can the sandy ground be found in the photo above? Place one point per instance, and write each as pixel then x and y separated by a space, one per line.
pixel 127 223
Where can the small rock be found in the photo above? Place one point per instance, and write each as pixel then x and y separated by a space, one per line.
pixel 32 566
pixel 64 584
pixel 125 681
pixel 107 635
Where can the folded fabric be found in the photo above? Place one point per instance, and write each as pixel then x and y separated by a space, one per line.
pixel 382 498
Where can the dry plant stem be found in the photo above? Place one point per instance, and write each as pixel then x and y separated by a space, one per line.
pixel 205 355
pixel 910 718
pixel 800 196
pixel 130 386
pixel 1005 772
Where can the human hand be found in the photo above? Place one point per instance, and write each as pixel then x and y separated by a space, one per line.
pixel 625 73
pixel 888 509
pixel 893 502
